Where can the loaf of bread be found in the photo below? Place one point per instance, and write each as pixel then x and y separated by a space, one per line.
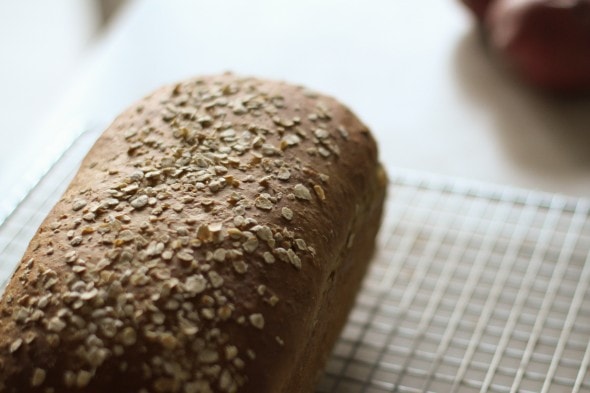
pixel 213 240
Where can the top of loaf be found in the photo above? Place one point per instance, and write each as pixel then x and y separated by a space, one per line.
pixel 189 222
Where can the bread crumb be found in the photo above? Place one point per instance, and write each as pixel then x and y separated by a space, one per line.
pixel 287 213
pixel 257 320
pixel 38 377
pixel 301 192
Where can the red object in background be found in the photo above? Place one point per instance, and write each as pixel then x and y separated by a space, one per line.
pixel 546 41
pixel 478 7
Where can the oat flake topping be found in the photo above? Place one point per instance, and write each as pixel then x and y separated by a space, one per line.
pixel 157 255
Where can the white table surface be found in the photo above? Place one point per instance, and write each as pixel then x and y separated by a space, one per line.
pixel 417 74
pixel 41 42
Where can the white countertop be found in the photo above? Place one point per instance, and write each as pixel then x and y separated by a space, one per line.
pixel 419 76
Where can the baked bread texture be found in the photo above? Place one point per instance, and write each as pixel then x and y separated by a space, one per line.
pixel 213 240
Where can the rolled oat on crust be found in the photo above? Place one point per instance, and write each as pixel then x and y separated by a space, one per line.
pixel 213 240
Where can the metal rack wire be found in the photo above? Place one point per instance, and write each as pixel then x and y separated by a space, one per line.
pixel 475 288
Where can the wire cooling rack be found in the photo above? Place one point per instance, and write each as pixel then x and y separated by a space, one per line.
pixel 474 288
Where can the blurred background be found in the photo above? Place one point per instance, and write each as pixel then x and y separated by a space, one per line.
pixel 420 77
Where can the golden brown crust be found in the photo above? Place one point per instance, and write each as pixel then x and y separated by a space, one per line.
pixel 212 241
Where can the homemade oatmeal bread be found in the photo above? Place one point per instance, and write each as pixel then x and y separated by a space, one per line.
pixel 213 240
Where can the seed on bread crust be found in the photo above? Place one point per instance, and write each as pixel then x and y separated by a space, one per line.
pixel 202 199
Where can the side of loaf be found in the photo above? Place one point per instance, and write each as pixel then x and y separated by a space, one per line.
pixel 213 240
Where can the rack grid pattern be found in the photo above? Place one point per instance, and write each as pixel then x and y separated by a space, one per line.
pixel 474 288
